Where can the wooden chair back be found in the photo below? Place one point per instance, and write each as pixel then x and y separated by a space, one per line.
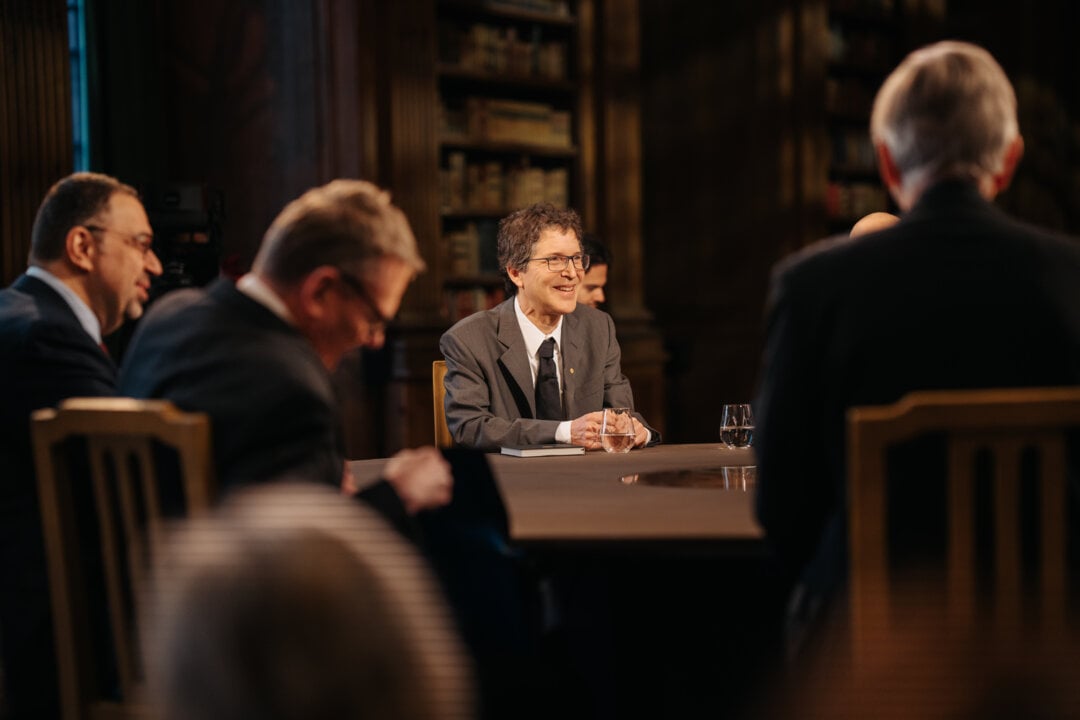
pixel 1002 425
pixel 118 460
pixel 438 394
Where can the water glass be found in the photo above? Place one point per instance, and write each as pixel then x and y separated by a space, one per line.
pixel 617 430
pixel 737 425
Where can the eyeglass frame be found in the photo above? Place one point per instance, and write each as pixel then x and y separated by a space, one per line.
pixel 131 240
pixel 357 286
pixel 579 261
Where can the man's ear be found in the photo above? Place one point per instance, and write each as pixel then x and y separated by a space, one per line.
pixel 81 248
pixel 515 276
pixel 1013 153
pixel 890 173
pixel 314 291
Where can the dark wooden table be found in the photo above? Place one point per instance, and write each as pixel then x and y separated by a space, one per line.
pixel 663 609
pixel 606 497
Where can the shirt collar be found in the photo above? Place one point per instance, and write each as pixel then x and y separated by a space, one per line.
pixel 533 335
pixel 260 292
pixel 83 313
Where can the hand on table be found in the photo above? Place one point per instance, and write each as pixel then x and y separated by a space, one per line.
pixel 585 431
pixel 421 477
pixel 641 434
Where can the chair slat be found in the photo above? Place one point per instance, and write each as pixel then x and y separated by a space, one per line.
pixel 1006 422
pixel 961 548
pixel 119 433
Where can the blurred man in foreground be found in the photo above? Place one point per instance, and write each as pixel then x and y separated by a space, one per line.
pixel 257 356
pixel 290 603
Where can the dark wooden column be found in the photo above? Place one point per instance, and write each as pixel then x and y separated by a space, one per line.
pixel 409 164
pixel 616 50
pixel 35 119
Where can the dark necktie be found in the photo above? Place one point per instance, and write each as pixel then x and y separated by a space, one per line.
pixel 548 404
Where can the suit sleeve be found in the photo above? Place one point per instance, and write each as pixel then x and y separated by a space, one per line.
pixel 617 390
pixel 468 404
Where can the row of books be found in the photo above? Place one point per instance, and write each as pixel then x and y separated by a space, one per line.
pixel 851 148
pixel 499 50
pixel 471 249
pixel 559 8
pixel 491 185
pixel 849 97
pixel 499 120
pixel 849 201
pixel 462 302
pixel 859 47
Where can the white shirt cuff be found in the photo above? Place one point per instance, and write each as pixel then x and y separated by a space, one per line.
pixel 562 433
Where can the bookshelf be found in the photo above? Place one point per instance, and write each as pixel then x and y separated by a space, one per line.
pixel 508 129
pixel 863 47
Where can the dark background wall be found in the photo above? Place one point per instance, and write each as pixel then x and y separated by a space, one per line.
pixel 265 98
pixel 733 136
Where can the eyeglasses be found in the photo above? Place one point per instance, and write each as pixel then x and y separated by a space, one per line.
pixel 558 263
pixel 378 325
pixel 142 242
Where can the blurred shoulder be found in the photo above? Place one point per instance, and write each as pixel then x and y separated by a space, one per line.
pixel 817 255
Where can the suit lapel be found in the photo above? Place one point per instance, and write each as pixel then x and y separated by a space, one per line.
pixel 573 357
pixel 513 357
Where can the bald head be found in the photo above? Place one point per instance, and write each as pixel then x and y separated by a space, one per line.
pixel 872 223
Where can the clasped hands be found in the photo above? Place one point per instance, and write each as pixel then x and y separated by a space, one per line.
pixel 585 431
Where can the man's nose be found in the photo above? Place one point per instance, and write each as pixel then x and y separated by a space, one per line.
pixel 153 263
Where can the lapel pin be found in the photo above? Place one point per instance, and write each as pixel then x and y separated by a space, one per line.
pixel 571 371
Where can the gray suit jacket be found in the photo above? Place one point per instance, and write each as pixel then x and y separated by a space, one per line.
pixel 490 399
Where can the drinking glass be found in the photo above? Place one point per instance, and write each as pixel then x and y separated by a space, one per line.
pixel 737 425
pixel 617 430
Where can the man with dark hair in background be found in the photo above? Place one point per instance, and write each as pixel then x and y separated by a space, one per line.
pixel 91 259
pixel 591 290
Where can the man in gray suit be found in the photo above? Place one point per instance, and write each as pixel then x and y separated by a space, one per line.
pixel 538 368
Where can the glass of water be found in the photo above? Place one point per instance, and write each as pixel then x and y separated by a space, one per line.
pixel 617 430
pixel 737 425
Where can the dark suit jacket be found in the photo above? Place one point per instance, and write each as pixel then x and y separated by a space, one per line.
pixel 490 400
pixel 270 400
pixel 45 357
pixel 956 295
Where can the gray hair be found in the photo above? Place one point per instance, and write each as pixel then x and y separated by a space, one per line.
pixel 293 602
pixel 948 110
pixel 345 222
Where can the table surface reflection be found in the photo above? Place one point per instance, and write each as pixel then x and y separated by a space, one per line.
pixel 602 497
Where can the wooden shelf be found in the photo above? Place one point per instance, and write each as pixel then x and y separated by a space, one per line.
pixel 509 148
pixel 474 213
pixel 869 19
pixel 472 281
pixel 841 171
pixel 852 69
pixel 507 11
pixel 456 73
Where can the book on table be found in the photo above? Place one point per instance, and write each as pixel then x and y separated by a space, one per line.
pixel 542 450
